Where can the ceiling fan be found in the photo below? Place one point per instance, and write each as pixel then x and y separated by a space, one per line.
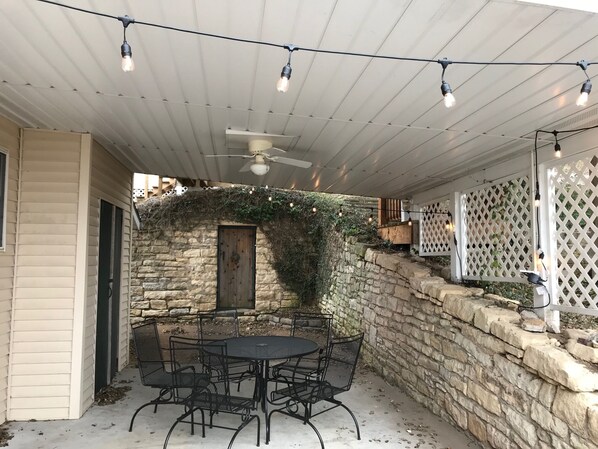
pixel 261 151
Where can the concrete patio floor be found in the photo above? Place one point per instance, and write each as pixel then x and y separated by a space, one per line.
pixel 387 417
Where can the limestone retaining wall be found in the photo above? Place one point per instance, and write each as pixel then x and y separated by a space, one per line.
pixel 174 273
pixel 464 355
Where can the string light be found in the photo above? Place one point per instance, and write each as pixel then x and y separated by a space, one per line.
pixel 409 221
pixel 340 212
pixel 557 145
pixel 285 75
pixel 291 205
pixel 314 210
pixel 126 53
pixel 446 90
pixel 270 198
pixel 586 87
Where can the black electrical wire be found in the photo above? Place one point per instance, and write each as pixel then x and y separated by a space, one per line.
pixel 520 307
pixel 314 50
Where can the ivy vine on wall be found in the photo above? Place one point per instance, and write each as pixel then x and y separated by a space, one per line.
pixel 298 236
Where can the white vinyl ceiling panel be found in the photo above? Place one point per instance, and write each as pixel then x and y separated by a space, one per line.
pixel 369 126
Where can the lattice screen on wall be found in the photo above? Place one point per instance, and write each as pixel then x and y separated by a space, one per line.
pixel 434 238
pixel 497 222
pixel 574 188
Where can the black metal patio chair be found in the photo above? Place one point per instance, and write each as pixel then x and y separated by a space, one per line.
pixel 220 325
pixel 192 363
pixel 334 375
pixel 153 367
pixel 312 326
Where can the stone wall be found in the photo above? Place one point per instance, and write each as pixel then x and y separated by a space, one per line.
pixel 174 273
pixel 464 355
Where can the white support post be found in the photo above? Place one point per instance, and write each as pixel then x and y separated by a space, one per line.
pixel 456 235
pixel 546 265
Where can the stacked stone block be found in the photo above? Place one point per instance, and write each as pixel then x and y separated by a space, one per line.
pixel 464 355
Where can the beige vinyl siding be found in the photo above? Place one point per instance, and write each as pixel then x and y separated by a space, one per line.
pixel 44 292
pixel 9 144
pixel 111 182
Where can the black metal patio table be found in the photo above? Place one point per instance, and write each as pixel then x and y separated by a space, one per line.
pixel 263 349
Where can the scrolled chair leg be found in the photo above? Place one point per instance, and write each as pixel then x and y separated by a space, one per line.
pixel 155 402
pixel 243 425
pixel 340 404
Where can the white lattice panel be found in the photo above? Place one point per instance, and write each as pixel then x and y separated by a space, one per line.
pixel 434 238
pixel 497 223
pixel 574 188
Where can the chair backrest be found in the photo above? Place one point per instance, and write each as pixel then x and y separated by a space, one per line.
pixel 341 361
pixel 217 325
pixel 313 326
pixel 149 352
pixel 194 367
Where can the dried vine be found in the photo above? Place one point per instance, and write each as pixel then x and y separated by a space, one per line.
pixel 298 235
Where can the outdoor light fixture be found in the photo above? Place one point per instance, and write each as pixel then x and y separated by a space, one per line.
pixel 259 168
pixel 533 277
pixel 126 53
pixel 445 88
pixel 557 145
pixel 283 83
pixel 586 87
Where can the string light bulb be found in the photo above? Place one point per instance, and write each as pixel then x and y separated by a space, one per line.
pixel 340 212
pixel 586 87
pixel 314 210
pixel 445 88
pixel 537 199
pixel 126 53
pixel 285 75
pixel 557 145
pixel 291 205
pixel 409 221
pixel 270 198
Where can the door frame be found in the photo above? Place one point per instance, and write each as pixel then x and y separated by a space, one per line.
pixel 108 300
pixel 253 245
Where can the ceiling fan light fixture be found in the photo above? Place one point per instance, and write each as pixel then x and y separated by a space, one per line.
pixel 259 169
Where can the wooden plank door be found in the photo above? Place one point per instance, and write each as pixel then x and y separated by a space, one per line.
pixel 236 267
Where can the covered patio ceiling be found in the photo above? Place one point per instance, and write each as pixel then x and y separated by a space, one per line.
pixel 369 126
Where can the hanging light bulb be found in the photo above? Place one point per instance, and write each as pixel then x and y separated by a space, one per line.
pixel 557 150
pixel 586 87
pixel 447 93
pixel 314 210
pixel 291 205
pixel 270 198
pixel 584 94
pixel 537 199
pixel 340 212
pixel 127 63
pixel 370 218
pixel 409 221
pixel 445 88
pixel 285 75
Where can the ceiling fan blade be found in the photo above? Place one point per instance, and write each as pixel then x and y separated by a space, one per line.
pixel 289 161
pixel 246 167
pixel 267 151
pixel 246 156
